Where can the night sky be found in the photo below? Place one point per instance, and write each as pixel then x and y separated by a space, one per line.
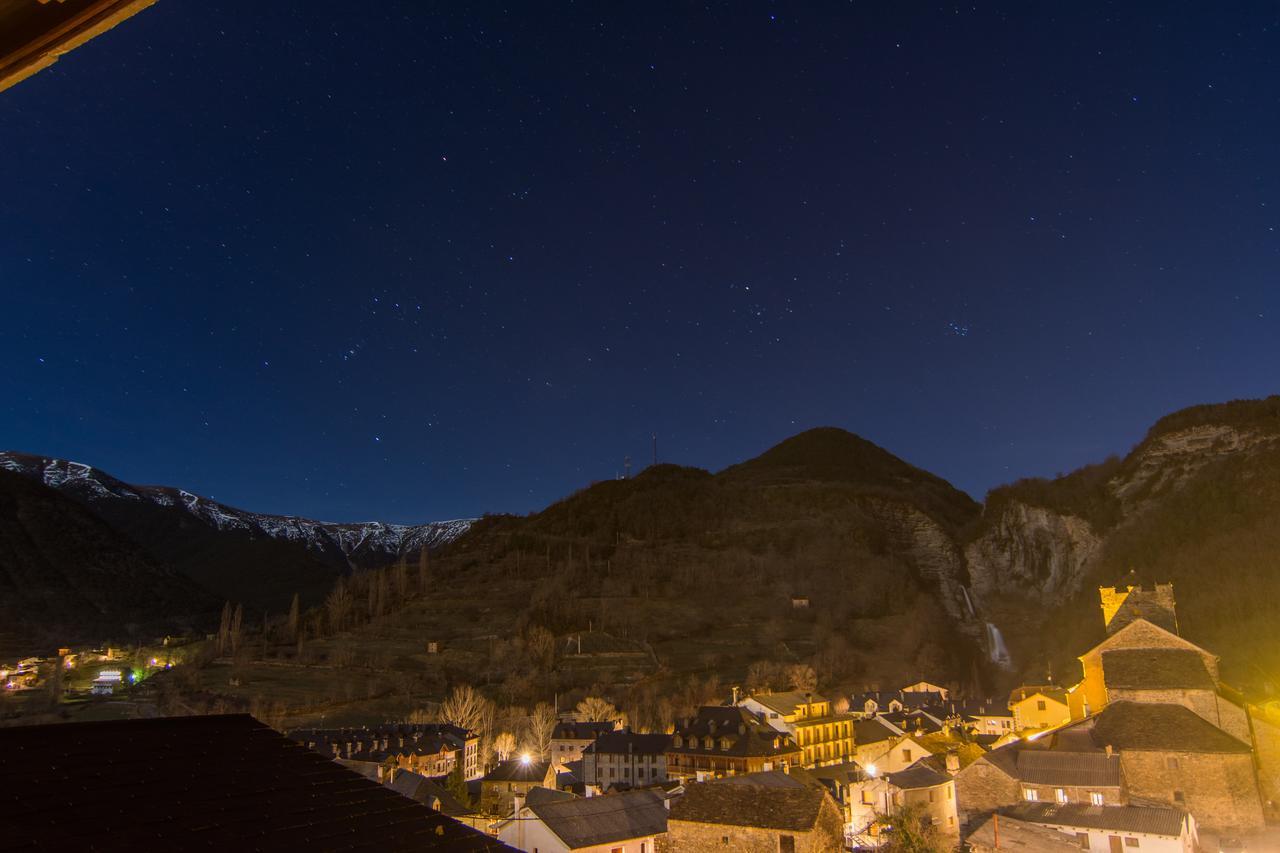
pixel 412 261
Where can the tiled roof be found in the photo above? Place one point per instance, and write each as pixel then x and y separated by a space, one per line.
pixel 1160 728
pixel 213 782
pixel 516 770
pixel 590 821
pixel 1151 820
pixel 795 809
pixel 629 743
pixel 1155 669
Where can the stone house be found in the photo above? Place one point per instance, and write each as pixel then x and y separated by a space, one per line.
pixel 824 737
pixel 727 740
pixel 509 779
pixel 882 747
pixel 748 818
pixel 931 791
pixel 625 759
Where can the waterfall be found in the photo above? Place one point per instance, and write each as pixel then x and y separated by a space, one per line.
pixel 968 602
pixel 996 648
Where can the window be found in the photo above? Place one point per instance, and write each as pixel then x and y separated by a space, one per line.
pixel 867 797
pixel 1040 706
pixel 1095 798
pixel 906 755
pixel 951 820
pixel 931 796
pixel 1171 762
pixel 1083 839
pixel 1179 798
pixel 951 791
pixel 1031 795
pixel 786 844
pixel 1131 842
pixel 1060 795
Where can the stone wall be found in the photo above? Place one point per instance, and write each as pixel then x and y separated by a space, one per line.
pixel 1218 789
pixel 982 788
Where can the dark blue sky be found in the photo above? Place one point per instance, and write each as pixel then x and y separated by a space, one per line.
pixel 409 261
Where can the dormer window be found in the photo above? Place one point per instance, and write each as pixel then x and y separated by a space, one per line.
pixel 708 743
pixel 724 743
pixel 679 742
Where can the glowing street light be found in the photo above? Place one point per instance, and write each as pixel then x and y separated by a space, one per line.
pixel 871 770
pixel 525 758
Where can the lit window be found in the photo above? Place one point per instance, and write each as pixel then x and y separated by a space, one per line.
pixel 1031 795
pixel 1095 798
pixel 1131 842
pixel 1060 795
pixel 906 755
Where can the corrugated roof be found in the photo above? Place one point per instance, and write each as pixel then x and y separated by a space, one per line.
pixel 586 822
pixel 1150 820
pixel 1052 767
pixel 1155 669
pixel 212 782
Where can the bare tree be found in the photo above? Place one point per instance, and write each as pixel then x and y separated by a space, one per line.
pixel 542 724
pixel 468 708
pixel 803 678
pixel 541 644
pixel 237 628
pixel 504 745
pixel 593 709
pixel 294 611
pixel 338 603
pixel 224 629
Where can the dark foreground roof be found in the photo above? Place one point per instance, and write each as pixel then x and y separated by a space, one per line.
pixel 420 789
pixel 216 782
pixel 589 821
pixel 796 809
pixel 1150 820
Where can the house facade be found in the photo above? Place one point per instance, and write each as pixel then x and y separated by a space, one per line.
pixel 625 759
pixel 824 737
pixel 725 741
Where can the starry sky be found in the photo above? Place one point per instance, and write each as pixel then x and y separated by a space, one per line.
pixel 410 261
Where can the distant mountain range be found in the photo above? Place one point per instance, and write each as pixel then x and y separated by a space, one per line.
pixel 233 554
pixel 908 577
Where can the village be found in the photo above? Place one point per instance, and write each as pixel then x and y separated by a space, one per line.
pixel 1148 749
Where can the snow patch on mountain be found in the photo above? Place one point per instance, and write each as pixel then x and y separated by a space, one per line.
pixel 366 538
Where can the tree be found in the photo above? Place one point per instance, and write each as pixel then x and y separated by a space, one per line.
pixel 467 708
pixel 224 630
pixel 504 745
pixel 542 724
pixel 294 611
pixel 237 628
pixel 338 603
pixel 803 678
pixel 593 709
pixel 456 783
pixel 912 832
pixel 541 644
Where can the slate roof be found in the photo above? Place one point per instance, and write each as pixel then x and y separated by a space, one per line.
pixel 909 699
pixel 1150 820
pixel 873 730
pixel 1155 669
pixel 589 821
pixel 515 770
pixel 765 779
pixel 747 735
pixel 629 743
pixel 580 731
pixel 787 702
pixel 1161 728
pixel 918 775
pixel 794 809
pixel 420 789
pixel 539 795
pixel 913 721
pixel 214 782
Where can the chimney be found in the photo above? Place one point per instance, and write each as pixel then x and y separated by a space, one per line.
pixel 1108 750
pixel 953 763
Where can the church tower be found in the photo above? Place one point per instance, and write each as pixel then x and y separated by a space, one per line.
pixel 1121 604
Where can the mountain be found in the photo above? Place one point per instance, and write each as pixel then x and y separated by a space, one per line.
pixel 1196 502
pixel 258 559
pixel 66 576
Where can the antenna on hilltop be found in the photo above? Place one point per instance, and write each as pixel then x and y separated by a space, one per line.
pixel 655 448
pixel 626 464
